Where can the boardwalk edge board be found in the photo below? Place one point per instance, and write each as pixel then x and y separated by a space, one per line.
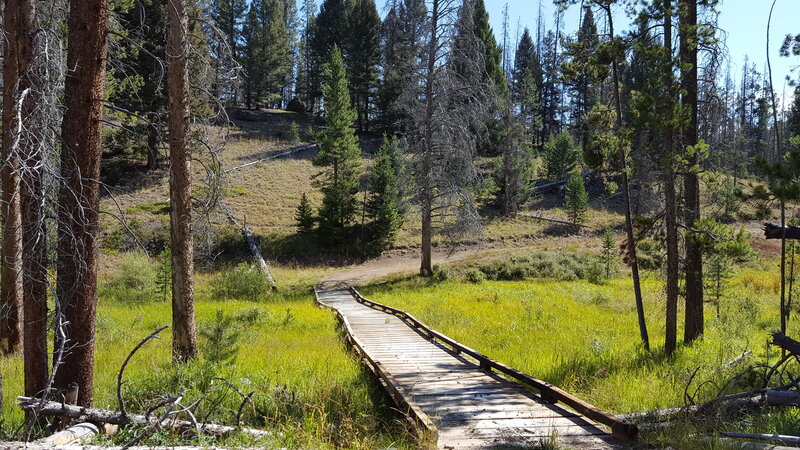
pixel 620 428
pixel 404 401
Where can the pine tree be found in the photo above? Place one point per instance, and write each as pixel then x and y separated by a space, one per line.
pixel 576 200
pixel 516 165
pixel 527 80
pixel 402 36
pixel 561 156
pixel 386 205
pixel 305 215
pixel 339 152
pixel 305 63
pixel 582 75
pixel 267 59
pixel 493 53
pixel 139 80
pixel 363 54
pixel 793 121
pixel 330 29
pixel 227 16
pixel 551 85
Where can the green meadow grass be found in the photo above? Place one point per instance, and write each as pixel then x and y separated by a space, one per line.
pixel 584 337
pixel 313 392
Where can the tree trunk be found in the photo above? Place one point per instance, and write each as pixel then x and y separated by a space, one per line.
pixel 637 288
pixel 11 289
pixel 426 267
pixel 31 201
pixel 184 340
pixel 694 322
pixel 670 202
pixel 79 194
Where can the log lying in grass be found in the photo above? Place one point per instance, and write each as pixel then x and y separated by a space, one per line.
pixel 560 222
pixel 81 433
pixel 785 342
pixel 114 417
pixel 548 186
pixel 773 231
pixel 251 242
pixel 782 438
pixel 735 402
pixel 291 151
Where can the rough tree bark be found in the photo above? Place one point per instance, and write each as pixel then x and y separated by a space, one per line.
pixel 184 340
pixel 426 202
pixel 670 202
pixel 637 288
pixel 11 289
pixel 79 193
pixel 694 321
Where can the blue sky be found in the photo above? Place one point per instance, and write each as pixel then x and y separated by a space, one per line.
pixel 744 21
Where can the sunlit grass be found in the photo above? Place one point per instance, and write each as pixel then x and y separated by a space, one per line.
pixel 584 338
pixel 292 356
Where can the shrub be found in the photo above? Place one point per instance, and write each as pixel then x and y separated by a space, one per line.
pixel 440 273
pixel 596 273
pixel 563 267
pixel 243 282
pixel 475 276
pixel 134 282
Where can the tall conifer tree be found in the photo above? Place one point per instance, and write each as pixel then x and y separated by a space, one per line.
pixel 339 153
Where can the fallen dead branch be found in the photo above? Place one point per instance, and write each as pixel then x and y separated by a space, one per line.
pixel 96 415
pixel 275 156
pixel 782 438
pixel 561 222
pixel 729 403
pixel 774 231
pixel 81 433
pixel 548 186
pixel 251 243
pixel 785 342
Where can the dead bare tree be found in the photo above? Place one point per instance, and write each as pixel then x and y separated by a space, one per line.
pixel 14 20
pixel 78 210
pixel 447 102
pixel 184 339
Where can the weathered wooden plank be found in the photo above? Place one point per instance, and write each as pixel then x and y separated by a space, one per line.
pixel 448 385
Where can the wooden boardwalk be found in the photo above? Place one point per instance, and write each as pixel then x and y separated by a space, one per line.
pixel 451 391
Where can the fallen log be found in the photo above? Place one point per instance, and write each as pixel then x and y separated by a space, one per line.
pixel 782 438
pixel 785 342
pixel 734 402
pixel 82 433
pixel 251 242
pixel 561 222
pixel 555 184
pixel 291 151
pixel 773 231
pixel 95 415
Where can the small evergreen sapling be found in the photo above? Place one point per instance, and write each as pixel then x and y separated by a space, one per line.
pixel 221 339
pixel 609 246
pixel 386 203
pixel 305 215
pixel 561 156
pixel 576 200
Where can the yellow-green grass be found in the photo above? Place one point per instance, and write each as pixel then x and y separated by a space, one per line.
pixel 292 356
pixel 584 337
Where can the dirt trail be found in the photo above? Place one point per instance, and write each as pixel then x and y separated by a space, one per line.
pixel 390 263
